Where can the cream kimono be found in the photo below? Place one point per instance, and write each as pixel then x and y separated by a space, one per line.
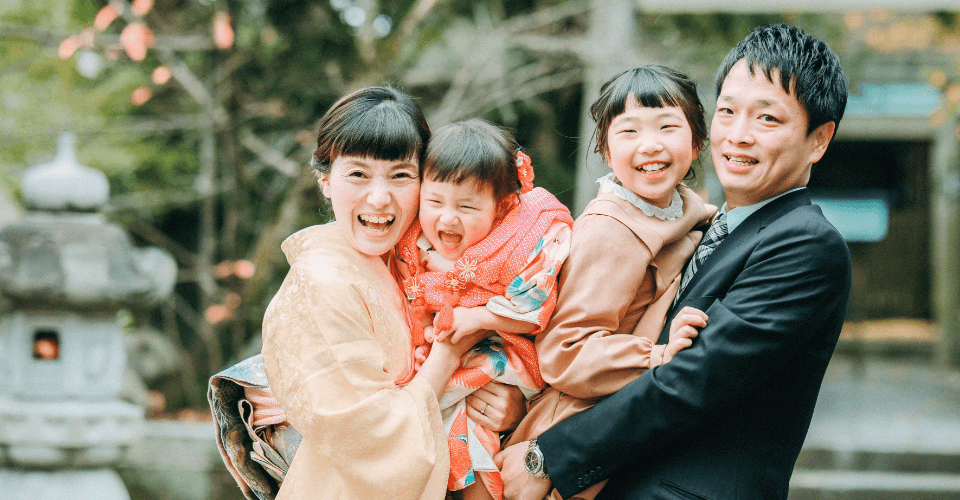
pixel 335 344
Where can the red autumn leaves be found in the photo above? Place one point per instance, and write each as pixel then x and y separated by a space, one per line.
pixel 137 38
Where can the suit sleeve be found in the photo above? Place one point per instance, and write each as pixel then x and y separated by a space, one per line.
pixel 580 354
pixel 327 369
pixel 775 308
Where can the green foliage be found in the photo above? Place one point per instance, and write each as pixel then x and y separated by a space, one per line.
pixel 289 61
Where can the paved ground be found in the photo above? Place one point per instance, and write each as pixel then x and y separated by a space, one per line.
pixel 887 406
pixel 882 430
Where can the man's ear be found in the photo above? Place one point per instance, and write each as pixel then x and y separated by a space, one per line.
pixel 325 184
pixel 821 138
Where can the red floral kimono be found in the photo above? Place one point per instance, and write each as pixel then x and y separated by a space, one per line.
pixel 512 272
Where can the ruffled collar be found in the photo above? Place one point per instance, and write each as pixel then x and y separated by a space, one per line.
pixel 609 184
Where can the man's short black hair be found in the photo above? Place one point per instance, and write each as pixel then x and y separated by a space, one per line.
pixel 808 69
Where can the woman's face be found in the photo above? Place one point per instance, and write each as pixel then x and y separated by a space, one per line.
pixel 374 201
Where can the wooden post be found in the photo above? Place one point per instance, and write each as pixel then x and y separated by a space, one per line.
pixel 206 187
pixel 945 241
pixel 609 50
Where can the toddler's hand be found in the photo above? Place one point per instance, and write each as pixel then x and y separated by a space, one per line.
pixel 683 329
pixel 465 322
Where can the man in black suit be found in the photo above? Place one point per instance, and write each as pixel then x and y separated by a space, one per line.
pixel 726 418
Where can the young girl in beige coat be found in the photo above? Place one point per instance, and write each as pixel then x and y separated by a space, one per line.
pixel 628 249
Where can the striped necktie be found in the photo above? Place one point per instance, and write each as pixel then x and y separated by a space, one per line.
pixel 716 234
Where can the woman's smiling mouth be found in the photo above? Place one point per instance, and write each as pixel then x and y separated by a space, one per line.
pixel 376 222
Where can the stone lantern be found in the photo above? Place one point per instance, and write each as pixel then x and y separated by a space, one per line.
pixel 65 272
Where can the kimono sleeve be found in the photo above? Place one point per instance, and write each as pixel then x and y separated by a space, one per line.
pixel 327 366
pixel 532 294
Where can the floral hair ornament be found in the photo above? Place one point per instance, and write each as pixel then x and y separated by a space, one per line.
pixel 524 172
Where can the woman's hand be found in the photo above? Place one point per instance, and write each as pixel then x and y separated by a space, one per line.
pixel 498 407
pixel 447 354
pixel 443 359
pixel 468 320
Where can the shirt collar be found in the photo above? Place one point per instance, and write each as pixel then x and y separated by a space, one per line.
pixel 737 215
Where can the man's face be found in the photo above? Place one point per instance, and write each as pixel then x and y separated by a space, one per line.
pixel 758 138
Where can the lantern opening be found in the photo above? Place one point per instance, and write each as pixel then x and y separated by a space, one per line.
pixel 46 345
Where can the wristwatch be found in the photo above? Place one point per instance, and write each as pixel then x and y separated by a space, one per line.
pixel 533 461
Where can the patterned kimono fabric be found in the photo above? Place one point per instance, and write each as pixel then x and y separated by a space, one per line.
pixel 498 265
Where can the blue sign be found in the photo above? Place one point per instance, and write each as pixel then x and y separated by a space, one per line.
pixel 857 219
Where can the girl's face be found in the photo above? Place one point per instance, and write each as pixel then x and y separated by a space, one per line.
pixel 374 201
pixel 455 217
pixel 650 150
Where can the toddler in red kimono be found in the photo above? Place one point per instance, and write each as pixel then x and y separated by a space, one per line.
pixel 484 255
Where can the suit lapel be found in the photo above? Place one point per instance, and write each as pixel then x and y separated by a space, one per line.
pixel 753 224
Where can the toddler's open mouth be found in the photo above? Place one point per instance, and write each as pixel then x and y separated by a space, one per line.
pixel 449 238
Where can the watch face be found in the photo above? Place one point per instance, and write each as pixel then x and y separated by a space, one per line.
pixel 532 462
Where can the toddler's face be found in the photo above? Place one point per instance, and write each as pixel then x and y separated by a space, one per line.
pixel 456 216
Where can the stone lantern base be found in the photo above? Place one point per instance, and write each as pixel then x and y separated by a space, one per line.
pixel 93 484
pixel 71 434
pixel 57 450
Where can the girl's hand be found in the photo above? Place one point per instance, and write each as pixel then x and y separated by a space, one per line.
pixel 683 329
pixel 466 321
pixel 498 407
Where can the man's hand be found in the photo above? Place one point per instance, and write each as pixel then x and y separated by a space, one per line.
pixel 518 484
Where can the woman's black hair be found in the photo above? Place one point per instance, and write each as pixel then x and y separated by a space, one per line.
pixel 650 86
pixel 379 123
pixel 474 150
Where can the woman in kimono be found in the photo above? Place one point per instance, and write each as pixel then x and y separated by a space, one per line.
pixel 336 336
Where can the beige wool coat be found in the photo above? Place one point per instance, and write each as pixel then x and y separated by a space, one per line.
pixel 335 343
pixel 615 289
